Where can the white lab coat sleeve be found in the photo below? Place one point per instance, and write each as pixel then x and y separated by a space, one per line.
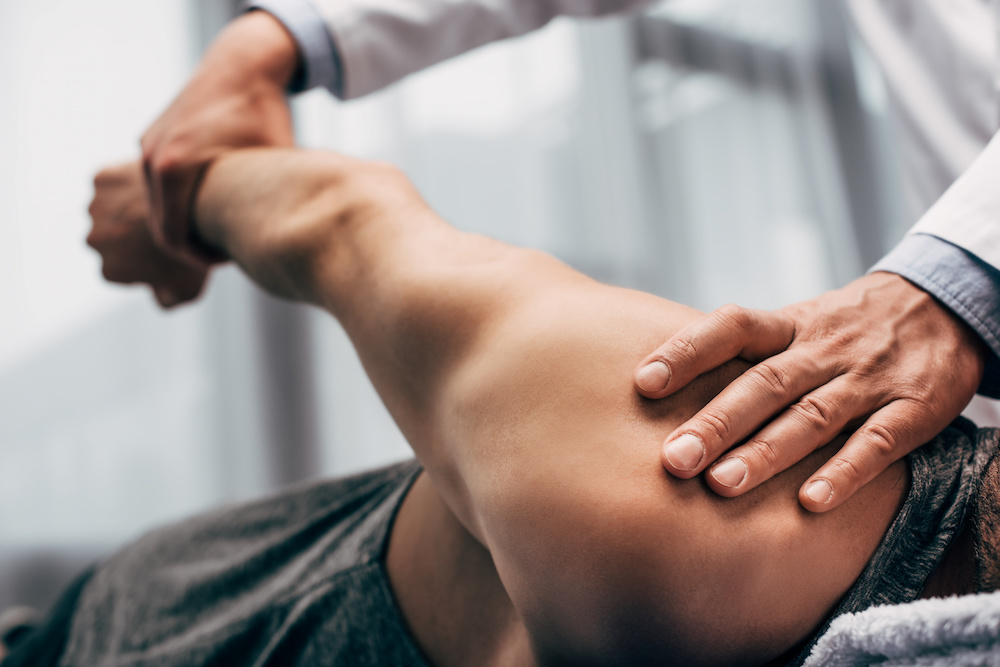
pixel 953 252
pixel 381 41
pixel 968 213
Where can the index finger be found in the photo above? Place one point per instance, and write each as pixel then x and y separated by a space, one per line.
pixel 728 332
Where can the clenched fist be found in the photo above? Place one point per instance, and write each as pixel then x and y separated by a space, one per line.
pixel 120 233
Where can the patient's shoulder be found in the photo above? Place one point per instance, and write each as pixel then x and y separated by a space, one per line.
pixel 604 554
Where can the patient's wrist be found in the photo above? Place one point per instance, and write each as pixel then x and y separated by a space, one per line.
pixel 206 216
pixel 281 213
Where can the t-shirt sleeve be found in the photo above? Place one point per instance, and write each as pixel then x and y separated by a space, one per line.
pixel 968 213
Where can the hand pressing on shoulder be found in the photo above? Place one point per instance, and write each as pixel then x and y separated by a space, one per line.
pixel 120 233
pixel 235 99
pixel 880 357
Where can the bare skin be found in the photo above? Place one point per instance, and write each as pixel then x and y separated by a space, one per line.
pixel 544 529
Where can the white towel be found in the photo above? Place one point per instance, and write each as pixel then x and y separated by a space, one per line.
pixel 957 631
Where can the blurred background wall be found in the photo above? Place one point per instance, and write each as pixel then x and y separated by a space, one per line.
pixel 709 151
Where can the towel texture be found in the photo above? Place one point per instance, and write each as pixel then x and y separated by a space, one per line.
pixel 945 479
pixel 956 631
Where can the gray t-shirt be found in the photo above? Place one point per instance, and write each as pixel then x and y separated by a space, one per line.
pixel 295 579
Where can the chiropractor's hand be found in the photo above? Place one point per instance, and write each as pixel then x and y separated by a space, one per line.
pixel 235 99
pixel 880 354
pixel 120 233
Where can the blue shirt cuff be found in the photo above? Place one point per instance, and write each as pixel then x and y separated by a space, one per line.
pixel 961 281
pixel 320 58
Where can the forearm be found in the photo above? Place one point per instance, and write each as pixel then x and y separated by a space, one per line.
pixel 355 239
pixel 254 206
pixel 299 223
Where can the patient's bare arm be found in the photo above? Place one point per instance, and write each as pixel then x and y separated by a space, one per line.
pixel 424 304
pixel 551 463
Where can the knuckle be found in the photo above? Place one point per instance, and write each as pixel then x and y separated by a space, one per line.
pixel 102 177
pixel 683 350
pixel 764 451
pixel 771 377
pixel 923 393
pixel 879 440
pixel 110 273
pixel 868 367
pixel 717 425
pixel 848 470
pixel 737 317
pixel 816 411
pixel 93 239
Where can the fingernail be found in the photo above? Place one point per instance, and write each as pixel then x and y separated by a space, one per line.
pixel 819 491
pixel 730 472
pixel 686 452
pixel 653 376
